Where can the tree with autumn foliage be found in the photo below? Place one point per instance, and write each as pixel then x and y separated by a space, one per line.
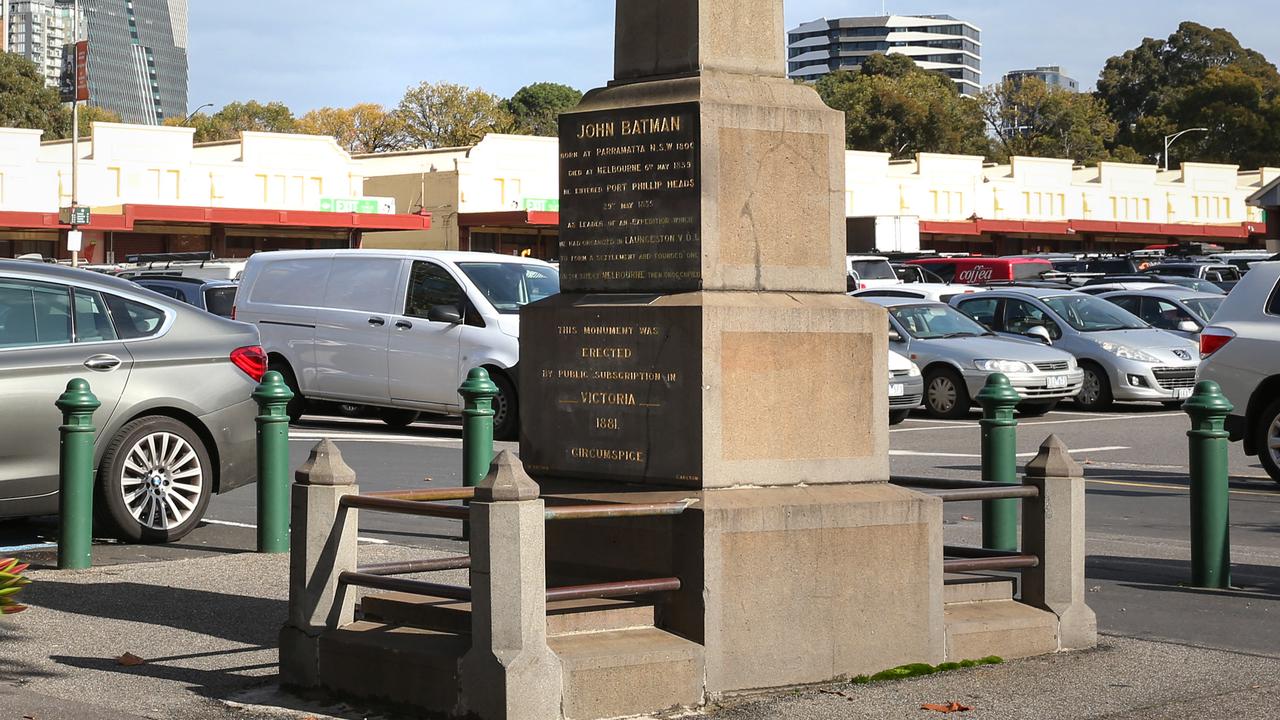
pixel 1031 118
pixel 451 115
pixel 362 128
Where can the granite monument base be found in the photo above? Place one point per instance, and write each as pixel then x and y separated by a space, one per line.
pixel 782 586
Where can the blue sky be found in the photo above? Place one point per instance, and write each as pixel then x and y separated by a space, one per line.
pixel 312 53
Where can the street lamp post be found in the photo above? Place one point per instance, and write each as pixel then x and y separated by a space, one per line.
pixel 1170 139
pixel 195 112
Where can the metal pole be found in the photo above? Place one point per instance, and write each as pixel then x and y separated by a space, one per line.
pixel 1210 517
pixel 999 460
pixel 75 124
pixel 75 476
pixel 273 397
pixel 477 393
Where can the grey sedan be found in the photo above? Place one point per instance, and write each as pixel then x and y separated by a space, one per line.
pixel 957 355
pixel 1172 309
pixel 176 421
pixel 1123 357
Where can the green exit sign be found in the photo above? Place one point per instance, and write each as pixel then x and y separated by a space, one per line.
pixel 364 206
pixel 541 205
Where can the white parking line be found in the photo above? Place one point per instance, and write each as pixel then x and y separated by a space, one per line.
pixel 970 456
pixel 974 424
pixel 228 523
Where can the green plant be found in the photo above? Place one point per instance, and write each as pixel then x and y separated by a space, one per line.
pixel 902 672
pixel 11 581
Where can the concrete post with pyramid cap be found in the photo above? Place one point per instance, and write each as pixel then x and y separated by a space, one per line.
pixel 510 673
pixel 322 547
pixel 1053 528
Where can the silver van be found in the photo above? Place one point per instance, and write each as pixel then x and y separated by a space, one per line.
pixel 394 330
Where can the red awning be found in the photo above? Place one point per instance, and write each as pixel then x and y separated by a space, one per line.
pixel 980 226
pixel 131 215
pixel 510 218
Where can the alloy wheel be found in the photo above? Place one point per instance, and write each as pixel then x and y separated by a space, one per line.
pixel 161 480
pixel 942 394
pixel 1273 440
pixel 1091 389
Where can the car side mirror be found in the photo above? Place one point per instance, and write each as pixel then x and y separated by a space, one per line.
pixel 1039 332
pixel 894 336
pixel 445 314
pixel 1189 326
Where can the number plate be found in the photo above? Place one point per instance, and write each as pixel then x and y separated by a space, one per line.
pixel 1057 381
pixel 1182 393
pixel 897 390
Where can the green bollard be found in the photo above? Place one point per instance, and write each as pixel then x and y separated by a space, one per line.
pixel 999 460
pixel 477 430
pixel 1210 518
pixel 273 396
pixel 75 476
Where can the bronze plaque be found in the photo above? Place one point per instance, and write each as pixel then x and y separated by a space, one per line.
pixel 609 389
pixel 631 200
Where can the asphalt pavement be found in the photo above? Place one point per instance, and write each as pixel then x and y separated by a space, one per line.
pixel 1168 649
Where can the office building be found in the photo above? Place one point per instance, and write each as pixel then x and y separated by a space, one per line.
pixel 37 30
pixel 138 58
pixel 1050 75
pixel 936 42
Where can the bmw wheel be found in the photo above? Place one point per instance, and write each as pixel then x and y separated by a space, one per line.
pixel 155 480
pixel 945 394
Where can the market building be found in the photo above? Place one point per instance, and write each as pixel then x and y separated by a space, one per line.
pixel 150 189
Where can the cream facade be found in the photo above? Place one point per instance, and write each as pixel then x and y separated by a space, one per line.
pixel 952 188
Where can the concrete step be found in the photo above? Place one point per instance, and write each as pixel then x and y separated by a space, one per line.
pixel 628 672
pixel 1006 628
pixel 401 665
pixel 976 587
pixel 563 617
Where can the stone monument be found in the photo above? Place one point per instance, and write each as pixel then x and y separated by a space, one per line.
pixel 703 348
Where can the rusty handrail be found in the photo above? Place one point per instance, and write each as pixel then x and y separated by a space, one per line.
pixel 1009 562
pixel 405 507
pixel 987 493
pixel 617 510
pixel 412 567
pixel 425 494
pixel 621 588
pixel 413 587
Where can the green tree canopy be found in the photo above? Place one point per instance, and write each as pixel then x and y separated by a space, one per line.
pixel 450 115
pixel 1028 117
pixel 1198 77
pixel 362 128
pixel 537 107
pixel 892 105
pixel 25 102
pixel 237 117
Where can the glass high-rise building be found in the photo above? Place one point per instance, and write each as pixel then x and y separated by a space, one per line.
pixel 936 42
pixel 138 58
pixel 37 30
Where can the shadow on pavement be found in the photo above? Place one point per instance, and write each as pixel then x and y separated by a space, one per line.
pixel 1257 582
pixel 238 618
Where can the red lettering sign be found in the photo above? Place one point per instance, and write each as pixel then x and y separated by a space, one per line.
pixel 82 70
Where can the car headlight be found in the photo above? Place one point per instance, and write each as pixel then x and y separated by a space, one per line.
pixel 1127 353
pixel 914 371
pixel 1002 366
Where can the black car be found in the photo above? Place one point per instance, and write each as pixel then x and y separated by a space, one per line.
pixel 215 296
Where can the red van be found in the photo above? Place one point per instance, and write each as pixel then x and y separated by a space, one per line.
pixel 979 270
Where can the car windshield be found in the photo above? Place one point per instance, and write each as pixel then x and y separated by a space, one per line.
pixel 510 286
pixel 873 269
pixel 1179 270
pixel 1204 307
pixel 1087 313
pixel 219 300
pixel 1191 284
pixel 931 322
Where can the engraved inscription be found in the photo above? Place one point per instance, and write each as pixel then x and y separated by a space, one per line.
pixel 630 206
pixel 610 379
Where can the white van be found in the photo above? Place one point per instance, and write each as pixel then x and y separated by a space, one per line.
pixel 394 330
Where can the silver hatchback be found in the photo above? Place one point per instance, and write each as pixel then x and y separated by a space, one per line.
pixel 176 422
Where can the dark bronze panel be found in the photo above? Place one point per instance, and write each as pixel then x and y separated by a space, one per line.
pixel 631 200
